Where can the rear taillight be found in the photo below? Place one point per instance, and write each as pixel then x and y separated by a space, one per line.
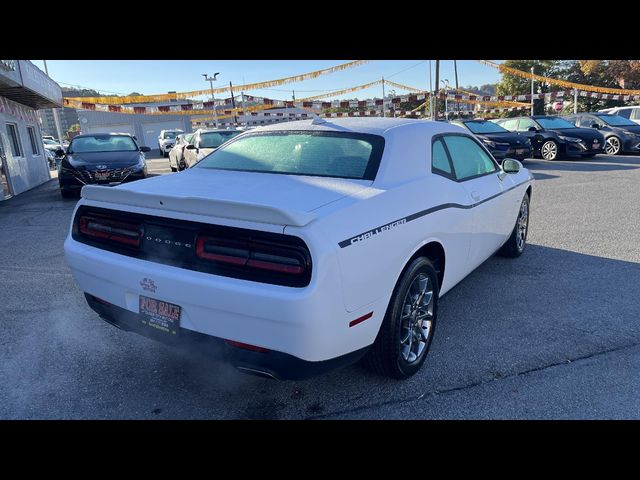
pixel 250 254
pixel 111 230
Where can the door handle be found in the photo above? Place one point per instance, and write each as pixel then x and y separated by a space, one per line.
pixel 475 196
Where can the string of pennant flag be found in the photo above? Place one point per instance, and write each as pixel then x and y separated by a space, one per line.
pixel 263 103
pixel 563 83
pixel 163 97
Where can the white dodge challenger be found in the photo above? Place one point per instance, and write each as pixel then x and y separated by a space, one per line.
pixel 302 246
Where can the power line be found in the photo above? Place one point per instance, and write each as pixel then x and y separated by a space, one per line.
pixel 408 68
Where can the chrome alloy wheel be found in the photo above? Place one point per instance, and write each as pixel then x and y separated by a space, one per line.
pixel 612 146
pixel 522 225
pixel 416 319
pixel 549 150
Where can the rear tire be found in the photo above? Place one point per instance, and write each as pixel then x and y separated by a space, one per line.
pixel 68 193
pixel 518 239
pixel 407 329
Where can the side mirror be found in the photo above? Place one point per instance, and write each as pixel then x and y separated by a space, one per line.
pixel 510 165
pixel 532 129
pixel 191 147
pixel 145 149
pixel 596 126
pixel 60 152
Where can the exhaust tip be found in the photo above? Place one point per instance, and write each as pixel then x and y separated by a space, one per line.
pixel 256 372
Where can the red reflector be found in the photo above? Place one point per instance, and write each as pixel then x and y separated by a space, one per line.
pixel 246 346
pixel 276 267
pixel 361 319
pixel 115 231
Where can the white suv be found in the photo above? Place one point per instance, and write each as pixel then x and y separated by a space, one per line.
pixel 167 139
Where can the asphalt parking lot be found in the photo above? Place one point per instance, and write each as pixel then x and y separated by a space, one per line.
pixel 553 334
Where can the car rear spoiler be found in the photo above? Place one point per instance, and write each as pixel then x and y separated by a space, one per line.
pixel 201 206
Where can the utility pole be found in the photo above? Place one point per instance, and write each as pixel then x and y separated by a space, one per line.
pixel 455 68
pixel 233 104
pixel 575 100
pixel 435 99
pixel 531 90
pixel 430 93
pixel 56 119
pixel 213 99
pixel 383 110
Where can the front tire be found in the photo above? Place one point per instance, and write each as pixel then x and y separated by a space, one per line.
pixel 613 146
pixel 518 238
pixel 405 335
pixel 549 150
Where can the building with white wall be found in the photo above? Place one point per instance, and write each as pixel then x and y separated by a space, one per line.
pixel 24 89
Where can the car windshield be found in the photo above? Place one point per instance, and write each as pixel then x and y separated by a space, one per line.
pixel 325 154
pixel 215 139
pixel 484 127
pixel 616 120
pixel 170 135
pixel 103 143
pixel 554 123
pixel 49 142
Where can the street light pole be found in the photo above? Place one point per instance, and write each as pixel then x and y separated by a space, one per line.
pixel 209 79
pixel 56 119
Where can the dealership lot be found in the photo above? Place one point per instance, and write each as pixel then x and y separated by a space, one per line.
pixel 553 334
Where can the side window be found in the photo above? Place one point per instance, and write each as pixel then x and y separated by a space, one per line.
pixel 469 159
pixel 440 159
pixel 14 139
pixel 626 113
pixel 525 124
pixel 510 124
pixel 33 140
pixel 635 115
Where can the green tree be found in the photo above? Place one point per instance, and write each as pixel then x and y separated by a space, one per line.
pixel 516 85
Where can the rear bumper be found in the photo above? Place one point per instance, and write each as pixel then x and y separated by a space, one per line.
pixel 271 364
pixel 310 323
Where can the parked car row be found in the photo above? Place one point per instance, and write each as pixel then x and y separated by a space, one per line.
pixel 552 137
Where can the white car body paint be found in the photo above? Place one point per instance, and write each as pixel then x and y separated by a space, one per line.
pixel 360 234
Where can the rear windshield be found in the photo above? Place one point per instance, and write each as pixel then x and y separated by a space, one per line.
pixel 616 120
pixel 554 123
pixel 103 143
pixel 484 127
pixel 215 139
pixel 324 154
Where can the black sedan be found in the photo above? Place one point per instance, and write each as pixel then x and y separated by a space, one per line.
pixel 500 142
pixel 621 134
pixel 554 137
pixel 102 159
